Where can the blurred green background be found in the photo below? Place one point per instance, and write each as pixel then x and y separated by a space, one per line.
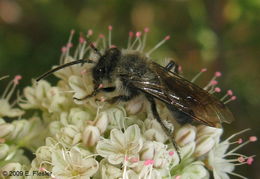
pixel 221 35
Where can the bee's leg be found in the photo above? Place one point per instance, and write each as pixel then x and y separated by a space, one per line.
pixel 172 65
pixel 130 95
pixel 158 118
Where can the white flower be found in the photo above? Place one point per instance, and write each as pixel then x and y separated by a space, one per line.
pixel 90 135
pixel 6 109
pixel 73 164
pixel 194 170
pixel 11 167
pixel 5 129
pixel 108 171
pixel 186 134
pixel 220 161
pixel 69 135
pixel 76 116
pixel 4 148
pixel 158 152
pixel 43 96
pixel 154 131
pixel 121 145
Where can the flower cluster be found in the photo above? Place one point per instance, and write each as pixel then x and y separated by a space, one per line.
pixel 94 139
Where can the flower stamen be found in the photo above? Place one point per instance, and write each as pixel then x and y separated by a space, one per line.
pixel 158 45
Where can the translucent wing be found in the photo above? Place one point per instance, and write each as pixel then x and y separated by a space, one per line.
pixel 183 95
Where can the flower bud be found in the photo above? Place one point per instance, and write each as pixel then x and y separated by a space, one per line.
pixel 204 145
pixel 186 134
pixel 147 151
pixel 6 129
pixel 69 135
pixel 11 167
pixel 212 132
pixel 102 122
pixel 43 153
pixel 21 129
pixel 55 127
pixel 90 136
pixel 206 130
pixel 4 148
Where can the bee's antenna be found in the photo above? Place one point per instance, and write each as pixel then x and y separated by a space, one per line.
pixel 93 46
pixel 82 61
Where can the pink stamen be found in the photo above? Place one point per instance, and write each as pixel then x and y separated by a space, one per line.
pixel 146 29
pixel 100 86
pixel 213 82
pixel 171 153
pixel 131 34
pixel 138 34
pixel 110 27
pixel 126 158
pixel 112 46
pixel 217 89
pixel 250 160
pixel 233 98
pixel 81 39
pixel 178 177
pixel 167 37
pixel 240 141
pixel 72 32
pixel 101 36
pixel 134 160
pixel 149 162
pixel 90 32
pixel 69 45
pixel 253 138
pixel 94 44
pixel 230 92
pixel 218 74
pixel 17 78
pixel 203 70
pixel 64 49
pixel 241 159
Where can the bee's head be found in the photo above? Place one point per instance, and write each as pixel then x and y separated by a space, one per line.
pixel 106 64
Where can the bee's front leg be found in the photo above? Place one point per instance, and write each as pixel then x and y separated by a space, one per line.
pixel 130 95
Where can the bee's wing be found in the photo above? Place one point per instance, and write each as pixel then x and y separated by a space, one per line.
pixel 185 96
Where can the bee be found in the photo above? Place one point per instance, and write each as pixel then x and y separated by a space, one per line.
pixel 136 74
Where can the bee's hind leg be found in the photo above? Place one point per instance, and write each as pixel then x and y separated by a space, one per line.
pixel 158 118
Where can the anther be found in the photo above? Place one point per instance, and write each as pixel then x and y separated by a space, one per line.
pixel 253 138
pixel 90 32
pixel 250 160
pixel 240 141
pixel 17 78
pixel 171 153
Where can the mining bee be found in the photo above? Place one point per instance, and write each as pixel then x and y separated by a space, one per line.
pixel 136 74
